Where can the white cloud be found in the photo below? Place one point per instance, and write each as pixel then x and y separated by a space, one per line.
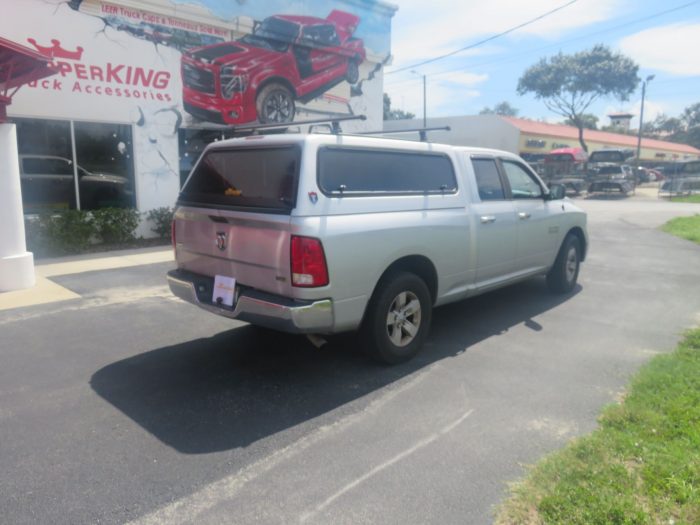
pixel 464 79
pixel 446 96
pixel 671 48
pixel 426 29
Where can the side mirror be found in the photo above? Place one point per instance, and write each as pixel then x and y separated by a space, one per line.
pixel 556 192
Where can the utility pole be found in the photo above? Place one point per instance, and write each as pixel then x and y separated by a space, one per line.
pixel 425 124
pixel 641 117
pixel 425 98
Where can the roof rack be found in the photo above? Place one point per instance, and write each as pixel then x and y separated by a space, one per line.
pixel 334 124
pixel 422 132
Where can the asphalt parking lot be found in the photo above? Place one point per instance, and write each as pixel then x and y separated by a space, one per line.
pixel 124 404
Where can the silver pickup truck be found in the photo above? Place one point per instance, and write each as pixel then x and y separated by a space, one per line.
pixel 322 233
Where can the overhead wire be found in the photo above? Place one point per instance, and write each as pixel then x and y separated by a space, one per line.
pixel 512 58
pixel 492 37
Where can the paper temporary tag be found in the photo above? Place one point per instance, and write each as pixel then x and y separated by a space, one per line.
pixel 224 288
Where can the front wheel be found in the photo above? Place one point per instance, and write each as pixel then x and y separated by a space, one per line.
pixel 397 319
pixel 352 75
pixel 564 273
pixel 275 104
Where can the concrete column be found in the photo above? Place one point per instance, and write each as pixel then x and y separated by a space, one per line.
pixel 16 263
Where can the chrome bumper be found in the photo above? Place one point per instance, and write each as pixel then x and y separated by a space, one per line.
pixel 259 308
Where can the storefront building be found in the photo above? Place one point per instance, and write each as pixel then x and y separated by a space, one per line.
pixel 143 86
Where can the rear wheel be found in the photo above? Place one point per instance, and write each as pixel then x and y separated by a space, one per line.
pixel 397 318
pixel 564 274
pixel 275 104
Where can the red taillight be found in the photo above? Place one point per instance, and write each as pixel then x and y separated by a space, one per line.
pixel 172 233
pixel 308 263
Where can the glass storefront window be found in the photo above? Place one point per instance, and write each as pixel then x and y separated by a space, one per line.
pixel 45 164
pixel 105 165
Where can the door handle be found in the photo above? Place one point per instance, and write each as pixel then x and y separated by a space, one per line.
pixel 486 219
pixel 523 215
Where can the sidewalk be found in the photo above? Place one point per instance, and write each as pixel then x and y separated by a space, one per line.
pixel 46 291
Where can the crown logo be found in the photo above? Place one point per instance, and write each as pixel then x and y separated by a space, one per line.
pixel 56 51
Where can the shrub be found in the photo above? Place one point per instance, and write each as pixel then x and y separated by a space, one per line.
pixel 161 219
pixel 59 232
pixel 115 225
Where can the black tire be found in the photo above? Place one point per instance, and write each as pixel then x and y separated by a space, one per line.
pixel 563 275
pixel 275 104
pixel 352 75
pixel 392 343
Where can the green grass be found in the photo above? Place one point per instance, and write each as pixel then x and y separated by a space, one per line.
pixel 689 198
pixel 642 466
pixel 685 227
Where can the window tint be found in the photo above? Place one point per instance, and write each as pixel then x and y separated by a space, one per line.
pixel 691 167
pixel 320 35
pixel 261 178
pixel 522 185
pixel 47 166
pixel 487 180
pixel 610 170
pixel 361 171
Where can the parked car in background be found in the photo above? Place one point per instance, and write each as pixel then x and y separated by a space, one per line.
pixel 610 156
pixel 688 168
pixel 262 75
pixel 682 179
pixel 607 178
pixel 680 187
pixel 566 166
pixel 48 182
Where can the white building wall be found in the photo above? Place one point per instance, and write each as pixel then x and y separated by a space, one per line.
pixel 485 131
pixel 100 44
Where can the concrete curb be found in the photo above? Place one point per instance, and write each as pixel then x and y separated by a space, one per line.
pixel 46 291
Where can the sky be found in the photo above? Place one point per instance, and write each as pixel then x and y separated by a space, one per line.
pixel 663 38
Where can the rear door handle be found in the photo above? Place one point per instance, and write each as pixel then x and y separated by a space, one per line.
pixel 523 215
pixel 486 219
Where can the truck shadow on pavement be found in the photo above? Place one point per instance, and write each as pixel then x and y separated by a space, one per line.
pixel 242 385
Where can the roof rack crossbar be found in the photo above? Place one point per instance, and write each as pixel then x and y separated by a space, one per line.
pixel 422 132
pixel 333 121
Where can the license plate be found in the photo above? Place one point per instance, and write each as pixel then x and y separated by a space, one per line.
pixel 224 290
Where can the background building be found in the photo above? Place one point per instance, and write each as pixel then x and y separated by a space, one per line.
pixel 533 139
pixel 124 120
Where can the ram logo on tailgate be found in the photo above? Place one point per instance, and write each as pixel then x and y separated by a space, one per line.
pixel 221 240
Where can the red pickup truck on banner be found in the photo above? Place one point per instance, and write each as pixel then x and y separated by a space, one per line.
pixel 261 76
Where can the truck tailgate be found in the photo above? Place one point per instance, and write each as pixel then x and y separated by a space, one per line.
pixel 252 247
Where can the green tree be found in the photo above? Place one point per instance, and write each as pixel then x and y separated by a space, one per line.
pixel 590 121
pixel 664 124
pixel 394 114
pixel 569 84
pixel 691 116
pixel 502 108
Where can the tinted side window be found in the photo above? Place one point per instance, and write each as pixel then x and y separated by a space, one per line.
pixel 487 180
pixel 257 178
pixel 362 171
pixel 47 166
pixel 522 185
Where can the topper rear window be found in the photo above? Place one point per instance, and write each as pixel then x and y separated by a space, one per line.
pixel 260 178
pixel 373 171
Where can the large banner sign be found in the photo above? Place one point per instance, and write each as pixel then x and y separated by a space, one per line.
pixel 213 62
pixel 162 65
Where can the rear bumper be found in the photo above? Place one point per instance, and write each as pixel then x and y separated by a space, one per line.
pixel 259 308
